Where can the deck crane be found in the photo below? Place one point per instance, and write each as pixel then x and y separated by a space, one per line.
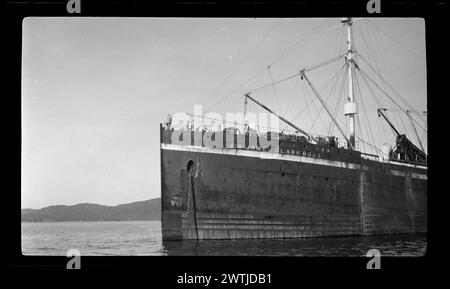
pixel 404 149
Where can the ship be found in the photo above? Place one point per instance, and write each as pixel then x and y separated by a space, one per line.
pixel 233 183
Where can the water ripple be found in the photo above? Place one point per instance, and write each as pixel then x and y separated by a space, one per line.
pixel 144 238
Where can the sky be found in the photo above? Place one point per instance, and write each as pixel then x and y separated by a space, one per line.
pixel 94 90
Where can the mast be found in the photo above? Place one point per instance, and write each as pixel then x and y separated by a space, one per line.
pixel 350 106
pixel 302 73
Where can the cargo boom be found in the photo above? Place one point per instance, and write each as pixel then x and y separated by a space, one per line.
pixel 306 190
pixel 307 187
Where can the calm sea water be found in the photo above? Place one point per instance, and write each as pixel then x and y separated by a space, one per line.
pixel 144 238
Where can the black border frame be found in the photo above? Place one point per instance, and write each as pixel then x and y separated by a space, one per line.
pixel 283 269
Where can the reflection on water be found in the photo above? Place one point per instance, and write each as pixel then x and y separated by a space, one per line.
pixel 355 246
pixel 144 238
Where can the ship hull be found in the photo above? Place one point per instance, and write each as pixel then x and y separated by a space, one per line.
pixel 238 194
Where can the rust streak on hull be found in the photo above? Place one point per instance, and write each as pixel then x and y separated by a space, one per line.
pixel 245 196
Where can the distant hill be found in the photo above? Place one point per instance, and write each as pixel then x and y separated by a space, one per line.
pixel 149 210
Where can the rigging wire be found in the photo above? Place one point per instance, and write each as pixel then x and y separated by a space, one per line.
pixel 393 39
pixel 362 140
pixel 243 60
pixel 378 73
pixel 397 116
pixel 315 98
pixel 311 117
pixel 385 82
pixel 315 107
pixel 383 127
pixel 333 112
pixel 360 130
pixel 274 83
pixel 340 94
pixel 388 68
pixel 365 115
pixel 411 120
pixel 234 90
pixel 370 47
pixel 376 70
pixel 364 75
pixel 292 94
pixel 425 140
pixel 296 74
pixel 338 105
pixel 379 103
pixel 371 53
pixel 301 41
pixel 321 64
pixel 226 107
pixel 339 41
pixel 274 89
pixel 346 127
pixel 416 133
pixel 379 88
pixel 363 29
pixel 323 102
pixel 314 122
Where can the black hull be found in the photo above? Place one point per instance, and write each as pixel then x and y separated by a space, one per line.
pixel 254 194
